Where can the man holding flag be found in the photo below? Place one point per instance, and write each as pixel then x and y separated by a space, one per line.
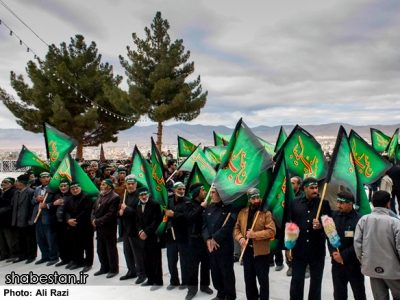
pixel 253 230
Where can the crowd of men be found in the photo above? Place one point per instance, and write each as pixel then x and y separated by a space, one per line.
pixel 200 235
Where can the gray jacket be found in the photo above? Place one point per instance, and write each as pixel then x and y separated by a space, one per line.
pixel 377 244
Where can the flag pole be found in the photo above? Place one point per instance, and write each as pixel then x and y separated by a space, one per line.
pixel 247 239
pixel 40 210
pixel 169 178
pixel 322 200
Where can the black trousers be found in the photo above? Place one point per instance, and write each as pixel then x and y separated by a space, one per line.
pixel 9 242
pixel 256 267
pixel 298 277
pixel 133 253
pixel 152 261
pixel 342 275
pixel 107 251
pixel 82 245
pixel 63 241
pixel 198 254
pixel 27 246
pixel 395 193
pixel 178 250
pixel 223 275
pixel 278 256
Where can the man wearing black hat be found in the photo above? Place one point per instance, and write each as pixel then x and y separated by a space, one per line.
pixel 149 218
pixel 131 242
pixel 60 225
pixel 104 220
pixel 310 245
pixel 345 265
pixel 21 213
pixel 42 214
pixel 77 214
pixel 8 243
pixel 198 254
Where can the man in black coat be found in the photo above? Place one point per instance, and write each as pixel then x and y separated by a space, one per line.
pixel 8 241
pixel 198 253
pixel 77 214
pixel 22 208
pixel 394 174
pixel 149 218
pixel 131 242
pixel 177 237
pixel 310 245
pixel 104 220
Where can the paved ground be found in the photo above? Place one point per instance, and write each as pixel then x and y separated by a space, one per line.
pixel 101 288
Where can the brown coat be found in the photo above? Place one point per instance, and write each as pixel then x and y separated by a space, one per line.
pixel 264 229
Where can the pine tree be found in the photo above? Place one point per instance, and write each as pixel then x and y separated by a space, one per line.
pixel 49 99
pixel 156 78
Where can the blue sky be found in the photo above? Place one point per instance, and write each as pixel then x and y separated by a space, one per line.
pixel 270 62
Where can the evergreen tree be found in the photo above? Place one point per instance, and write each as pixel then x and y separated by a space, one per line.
pixel 49 99
pixel 156 78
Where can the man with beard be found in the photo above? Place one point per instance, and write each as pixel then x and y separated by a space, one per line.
pixel 60 225
pixel 45 235
pixel 194 210
pixel 8 240
pixel 310 245
pixel 132 248
pixel 149 218
pixel 256 254
pixel 21 212
pixel 104 220
pixel 217 232
pixel 77 213
pixel 177 237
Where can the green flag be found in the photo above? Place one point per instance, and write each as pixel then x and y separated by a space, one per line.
pixel 242 165
pixel 221 139
pixel 185 148
pixel 58 145
pixel 200 158
pixel 303 154
pixel 196 176
pixel 27 158
pixel 215 154
pixel 369 163
pixel 282 136
pixel 79 175
pixel 392 147
pixel 140 168
pixel 379 140
pixel 159 190
pixel 277 199
pixel 268 147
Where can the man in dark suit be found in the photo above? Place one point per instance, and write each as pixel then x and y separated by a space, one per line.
pixel 148 219
pixel 104 219
pixel 21 213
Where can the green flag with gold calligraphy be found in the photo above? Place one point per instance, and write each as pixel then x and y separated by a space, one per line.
pixel 159 190
pixel 221 139
pixel 58 145
pixel 200 158
pixel 141 169
pixel 282 136
pixel 242 165
pixel 185 148
pixel 268 147
pixel 196 176
pixel 215 154
pixel 27 158
pixel 277 198
pixel 379 140
pixel 303 154
pixel 392 147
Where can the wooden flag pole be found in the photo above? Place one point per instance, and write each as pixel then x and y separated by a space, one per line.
pixel 40 210
pixel 169 178
pixel 123 200
pixel 247 239
pixel 322 200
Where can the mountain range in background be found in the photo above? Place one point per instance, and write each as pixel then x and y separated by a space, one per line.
pixel 13 139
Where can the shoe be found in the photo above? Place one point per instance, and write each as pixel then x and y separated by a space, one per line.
pixel 128 276
pixel 289 272
pixel 42 261
pixel 182 286
pixel 171 287
pixel 206 289
pixel 155 287
pixel 279 268
pixel 86 269
pixel 69 265
pixel 307 272
pixel 3 258
pixel 11 259
pixel 271 265
pixel 74 267
pixel 217 298
pixel 29 260
pixel 190 295
pixel 99 272
pixel 111 275
pixel 119 240
pixel 146 283
pixel 140 279
pixel 18 259
pixel 52 262
pixel 61 263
